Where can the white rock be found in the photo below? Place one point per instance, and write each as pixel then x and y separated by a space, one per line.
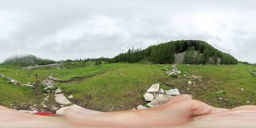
pixel 154 88
pixel 58 90
pixel 242 89
pixel 141 107
pixel 61 99
pixel 148 97
pixel 160 100
pixel 71 97
pixel 189 82
pixel 173 92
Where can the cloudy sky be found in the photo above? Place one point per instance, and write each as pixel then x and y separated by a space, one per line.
pixel 61 29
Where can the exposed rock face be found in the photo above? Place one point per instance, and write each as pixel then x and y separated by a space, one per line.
pixel 179 58
pixel 61 99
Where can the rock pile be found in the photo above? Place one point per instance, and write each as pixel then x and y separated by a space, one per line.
pixel 156 96
pixel 175 71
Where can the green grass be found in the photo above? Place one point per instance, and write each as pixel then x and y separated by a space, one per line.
pixel 118 89
pixel 121 86
pixel 11 95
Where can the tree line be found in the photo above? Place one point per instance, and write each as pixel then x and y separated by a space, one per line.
pixel 196 52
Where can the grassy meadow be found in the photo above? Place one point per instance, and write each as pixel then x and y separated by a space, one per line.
pixel 120 86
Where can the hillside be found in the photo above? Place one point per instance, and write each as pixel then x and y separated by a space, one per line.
pixel 27 60
pixel 179 52
pixel 120 86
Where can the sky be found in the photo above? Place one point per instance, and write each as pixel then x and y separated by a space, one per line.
pixel 74 29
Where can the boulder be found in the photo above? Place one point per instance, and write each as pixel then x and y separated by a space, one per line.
pixel 61 99
pixel 148 97
pixel 154 88
pixel 173 92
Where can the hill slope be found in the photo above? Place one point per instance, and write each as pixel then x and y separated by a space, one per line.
pixel 183 52
pixel 27 60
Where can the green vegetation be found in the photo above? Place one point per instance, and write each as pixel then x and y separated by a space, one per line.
pixel 27 60
pixel 17 97
pixel 121 86
pixel 165 53
pixel 110 84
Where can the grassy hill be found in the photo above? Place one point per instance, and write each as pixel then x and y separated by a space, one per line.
pixel 187 51
pixel 120 86
pixel 27 60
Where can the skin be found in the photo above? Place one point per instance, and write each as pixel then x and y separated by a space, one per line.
pixel 181 112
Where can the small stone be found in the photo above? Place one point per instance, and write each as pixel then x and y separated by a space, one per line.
pixel 189 82
pixel 28 85
pixel 148 97
pixel 173 92
pixel 141 107
pixel 242 89
pixel 221 99
pixel 58 90
pixel 154 88
pixel 71 97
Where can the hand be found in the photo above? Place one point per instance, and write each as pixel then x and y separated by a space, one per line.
pixel 241 117
pixel 179 112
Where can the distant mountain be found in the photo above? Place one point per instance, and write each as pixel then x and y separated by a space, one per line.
pixel 27 60
pixel 180 52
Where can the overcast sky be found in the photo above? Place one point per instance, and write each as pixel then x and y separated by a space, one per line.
pixel 62 29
